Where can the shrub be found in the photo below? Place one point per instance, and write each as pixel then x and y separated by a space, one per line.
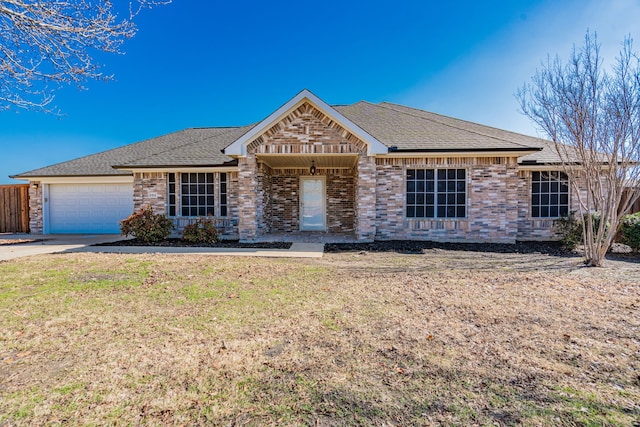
pixel 630 231
pixel 146 226
pixel 201 231
pixel 570 228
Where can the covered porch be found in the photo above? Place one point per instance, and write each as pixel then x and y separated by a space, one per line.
pixel 305 198
pixel 306 169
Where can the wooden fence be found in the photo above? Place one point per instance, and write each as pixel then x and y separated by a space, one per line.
pixel 14 208
pixel 636 206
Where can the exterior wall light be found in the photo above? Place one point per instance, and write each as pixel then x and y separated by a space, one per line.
pixel 312 170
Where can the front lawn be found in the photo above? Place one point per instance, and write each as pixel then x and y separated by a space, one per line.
pixel 357 338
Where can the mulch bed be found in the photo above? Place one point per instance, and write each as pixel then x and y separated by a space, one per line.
pixel 179 243
pixel 418 247
pixel 617 252
pixel 398 246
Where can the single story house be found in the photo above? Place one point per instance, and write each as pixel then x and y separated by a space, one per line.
pixel 359 172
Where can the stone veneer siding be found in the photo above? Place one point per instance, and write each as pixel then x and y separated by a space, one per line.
pixel 492 207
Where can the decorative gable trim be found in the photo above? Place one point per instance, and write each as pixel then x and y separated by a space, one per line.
pixel 239 146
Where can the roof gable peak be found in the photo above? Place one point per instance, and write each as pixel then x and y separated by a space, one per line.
pixel 239 146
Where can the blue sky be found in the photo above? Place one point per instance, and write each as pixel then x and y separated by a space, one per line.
pixel 201 63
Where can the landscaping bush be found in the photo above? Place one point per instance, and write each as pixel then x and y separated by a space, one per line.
pixel 201 231
pixel 630 231
pixel 570 228
pixel 146 226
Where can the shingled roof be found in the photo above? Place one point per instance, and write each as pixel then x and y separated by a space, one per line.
pixel 402 129
pixel 410 129
pixel 189 147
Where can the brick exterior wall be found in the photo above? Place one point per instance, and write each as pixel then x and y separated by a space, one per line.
pixel 341 196
pixel 227 226
pixel 539 228
pixel 264 199
pixel 150 189
pixel 232 204
pixel 248 198
pixel 491 205
pixel 285 203
pixel 36 215
pixel 366 199
pixel 368 202
pixel 530 228
pixel 281 194
pixel 306 130
pixel 269 199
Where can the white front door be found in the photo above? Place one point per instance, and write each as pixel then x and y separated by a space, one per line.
pixel 312 204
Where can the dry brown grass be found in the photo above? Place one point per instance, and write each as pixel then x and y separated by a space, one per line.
pixel 444 338
pixel 15 241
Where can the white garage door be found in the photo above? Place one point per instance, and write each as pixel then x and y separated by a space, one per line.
pixel 89 208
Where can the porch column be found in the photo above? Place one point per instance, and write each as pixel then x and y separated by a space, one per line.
pixel 247 198
pixel 366 198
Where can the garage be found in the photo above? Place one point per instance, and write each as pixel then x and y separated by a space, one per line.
pixel 88 208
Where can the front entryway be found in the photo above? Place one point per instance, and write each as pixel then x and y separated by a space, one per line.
pixel 312 204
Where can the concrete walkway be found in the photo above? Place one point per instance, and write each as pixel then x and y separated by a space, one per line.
pixel 297 250
pixel 48 244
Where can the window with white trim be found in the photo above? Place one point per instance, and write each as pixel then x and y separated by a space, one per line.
pixel 549 194
pixel 436 193
pixel 195 194
pixel 172 193
pixel 223 194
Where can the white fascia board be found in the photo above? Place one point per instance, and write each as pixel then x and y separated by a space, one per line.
pixel 239 146
pixel 542 167
pixel 118 179
pixel 435 154
pixel 182 169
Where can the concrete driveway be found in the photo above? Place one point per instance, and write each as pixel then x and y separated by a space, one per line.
pixel 54 243
pixel 50 243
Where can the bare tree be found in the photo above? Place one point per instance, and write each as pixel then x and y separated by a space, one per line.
pixel 45 44
pixel 593 117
